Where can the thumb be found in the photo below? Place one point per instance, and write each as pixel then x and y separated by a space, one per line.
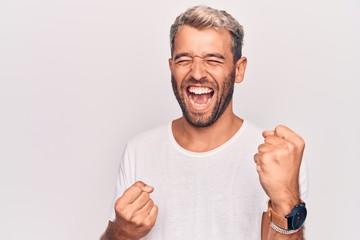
pixel 148 188
pixel 144 187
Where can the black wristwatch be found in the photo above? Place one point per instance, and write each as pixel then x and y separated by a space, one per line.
pixel 291 223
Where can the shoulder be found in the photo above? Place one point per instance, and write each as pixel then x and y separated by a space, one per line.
pixel 151 137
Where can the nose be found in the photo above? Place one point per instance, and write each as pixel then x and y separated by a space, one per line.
pixel 198 69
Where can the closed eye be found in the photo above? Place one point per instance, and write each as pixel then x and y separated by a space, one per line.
pixel 214 61
pixel 182 61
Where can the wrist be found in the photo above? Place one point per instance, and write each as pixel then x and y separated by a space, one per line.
pixel 117 233
pixel 284 207
pixel 291 221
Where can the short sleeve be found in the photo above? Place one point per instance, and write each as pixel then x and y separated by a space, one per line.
pixel 124 180
pixel 304 181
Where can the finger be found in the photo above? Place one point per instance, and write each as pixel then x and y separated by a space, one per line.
pixel 145 210
pixel 257 157
pixel 268 133
pixel 258 161
pixel 140 202
pixel 133 192
pixel 288 134
pixel 153 215
pixel 144 187
pixel 273 140
pixel 265 147
pixel 284 132
pixel 149 219
pixel 140 216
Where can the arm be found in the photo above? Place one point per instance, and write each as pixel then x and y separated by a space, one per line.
pixel 111 234
pixel 267 233
pixel 278 163
pixel 136 214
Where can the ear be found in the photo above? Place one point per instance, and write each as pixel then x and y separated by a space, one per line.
pixel 240 68
pixel 170 61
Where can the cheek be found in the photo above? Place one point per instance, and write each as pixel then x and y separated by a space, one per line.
pixel 220 73
pixel 176 84
pixel 219 78
pixel 181 76
pixel 178 78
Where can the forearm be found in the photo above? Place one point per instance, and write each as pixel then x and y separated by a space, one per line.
pixel 109 234
pixel 112 234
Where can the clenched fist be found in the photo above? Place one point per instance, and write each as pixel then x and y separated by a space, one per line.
pixel 136 212
pixel 278 163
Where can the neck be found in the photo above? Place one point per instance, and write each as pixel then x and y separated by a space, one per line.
pixel 198 139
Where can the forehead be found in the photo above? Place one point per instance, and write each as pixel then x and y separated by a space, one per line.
pixel 202 41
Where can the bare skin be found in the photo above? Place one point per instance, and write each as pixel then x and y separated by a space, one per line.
pixel 135 214
pixel 277 161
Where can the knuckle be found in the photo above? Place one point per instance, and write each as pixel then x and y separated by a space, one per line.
pixel 291 147
pixel 265 156
pixel 258 157
pixel 278 152
pixel 151 202
pixel 301 142
pixel 279 128
pixel 128 215
pixel 138 221
pixel 119 207
pixel 148 223
pixel 124 212
pixel 261 147
pixel 267 139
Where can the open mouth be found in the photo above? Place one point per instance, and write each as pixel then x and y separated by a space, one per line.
pixel 200 97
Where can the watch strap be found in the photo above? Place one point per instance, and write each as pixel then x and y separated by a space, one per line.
pixel 276 219
pixel 283 231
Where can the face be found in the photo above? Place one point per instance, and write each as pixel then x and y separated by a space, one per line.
pixel 203 74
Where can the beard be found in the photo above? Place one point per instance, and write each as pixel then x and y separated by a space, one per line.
pixel 199 119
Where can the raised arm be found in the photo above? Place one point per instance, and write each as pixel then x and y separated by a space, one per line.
pixel 278 164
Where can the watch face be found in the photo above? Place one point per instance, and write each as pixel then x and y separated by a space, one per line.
pixel 298 217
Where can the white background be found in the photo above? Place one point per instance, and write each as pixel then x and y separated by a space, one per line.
pixel 78 78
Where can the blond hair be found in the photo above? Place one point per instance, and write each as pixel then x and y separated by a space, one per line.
pixel 201 17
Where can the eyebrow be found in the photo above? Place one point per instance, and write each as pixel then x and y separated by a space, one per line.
pixel 177 56
pixel 216 55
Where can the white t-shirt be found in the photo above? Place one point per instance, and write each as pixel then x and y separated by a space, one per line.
pixel 201 196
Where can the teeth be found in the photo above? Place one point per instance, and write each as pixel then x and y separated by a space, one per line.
pixel 200 90
pixel 200 105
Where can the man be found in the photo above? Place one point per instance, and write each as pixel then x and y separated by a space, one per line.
pixel 209 174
